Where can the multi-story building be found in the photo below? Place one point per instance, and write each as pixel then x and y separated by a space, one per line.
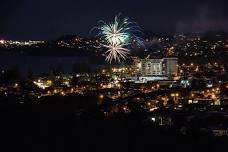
pixel 151 67
pixel 170 66
pixel 156 67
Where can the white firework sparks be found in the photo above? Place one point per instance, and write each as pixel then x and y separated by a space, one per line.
pixel 118 35
pixel 116 52
pixel 116 32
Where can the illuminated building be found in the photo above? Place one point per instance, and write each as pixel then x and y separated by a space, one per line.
pixel 170 66
pixel 156 67
pixel 151 67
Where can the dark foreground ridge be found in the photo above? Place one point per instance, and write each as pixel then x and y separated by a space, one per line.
pixel 77 123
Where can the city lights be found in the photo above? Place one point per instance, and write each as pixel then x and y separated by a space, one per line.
pixel 158 83
pixel 2 42
pixel 101 96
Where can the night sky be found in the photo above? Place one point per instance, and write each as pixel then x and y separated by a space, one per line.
pixel 49 19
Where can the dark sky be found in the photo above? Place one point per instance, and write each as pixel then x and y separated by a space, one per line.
pixel 49 19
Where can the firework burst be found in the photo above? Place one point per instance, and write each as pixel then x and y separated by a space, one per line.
pixel 116 52
pixel 117 35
